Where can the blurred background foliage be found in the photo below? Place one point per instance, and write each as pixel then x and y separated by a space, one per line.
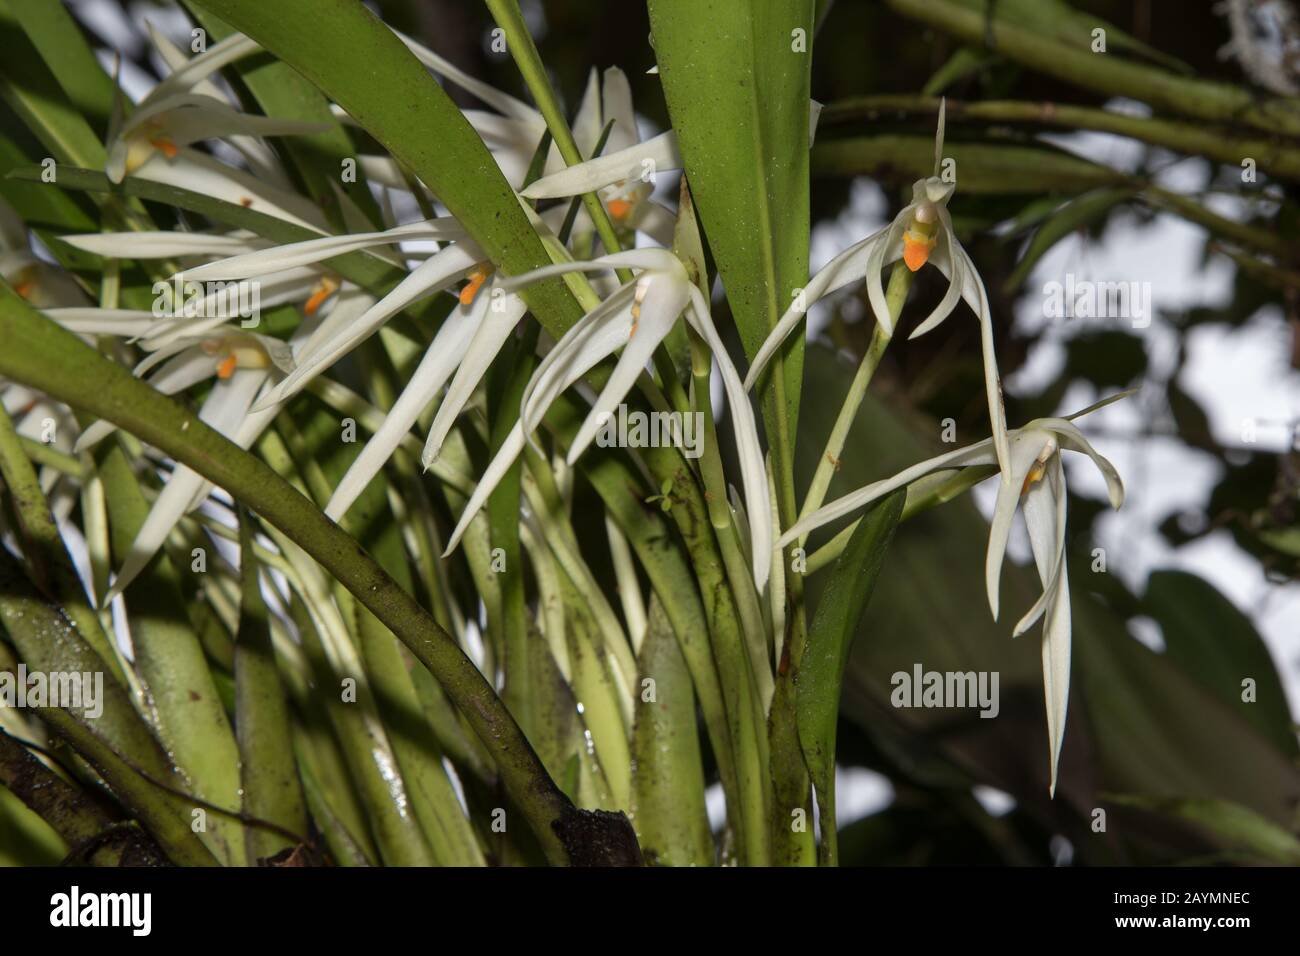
pixel 1159 737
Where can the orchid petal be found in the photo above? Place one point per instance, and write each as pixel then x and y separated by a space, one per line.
pixel 1072 438
pixel 572 357
pixel 938 135
pixel 1026 446
pixel 882 254
pixel 225 408
pixel 749 452
pixel 846 267
pixel 616 105
pixel 440 360
pixel 90 320
pixel 295 254
pixel 663 302
pixel 587 121
pixel 659 151
pixel 992 383
pixel 198 173
pixel 490 95
pixel 221 54
pixel 1046 525
pixel 162 244
pixel 1045 518
pixel 660 259
pixel 979 453
pixel 494 329
pixel 432 275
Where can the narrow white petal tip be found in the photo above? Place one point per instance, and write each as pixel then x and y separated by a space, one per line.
pixel 1051 788
pixel 886 323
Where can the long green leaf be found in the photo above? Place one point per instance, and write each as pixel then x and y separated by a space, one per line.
pixel 272 790
pixel 667 778
pixel 736 75
pixel 830 638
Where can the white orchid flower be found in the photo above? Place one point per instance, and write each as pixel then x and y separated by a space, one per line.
pixel 220 354
pixel 244 366
pixel 42 284
pixel 468 341
pixel 261 159
pixel 293 272
pixel 634 318
pixel 185 108
pixel 624 175
pixel 921 232
pixel 1037 478
pixel 513 132
pixel 163 127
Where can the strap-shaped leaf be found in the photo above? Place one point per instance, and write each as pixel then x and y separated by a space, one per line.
pixel 829 639
pixel 736 77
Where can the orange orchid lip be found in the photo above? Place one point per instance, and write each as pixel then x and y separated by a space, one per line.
pixel 324 289
pixel 476 280
pixel 916 250
pixel 164 146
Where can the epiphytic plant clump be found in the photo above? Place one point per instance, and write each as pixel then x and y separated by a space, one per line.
pixel 423 481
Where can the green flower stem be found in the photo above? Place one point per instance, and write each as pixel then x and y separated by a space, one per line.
pixel 900 283
pixel 1105 73
pixel 1198 140
pixel 59 364
pixel 795 846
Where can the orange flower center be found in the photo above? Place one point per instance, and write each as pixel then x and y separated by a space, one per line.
pixel 476 280
pixel 323 289
pixel 916 249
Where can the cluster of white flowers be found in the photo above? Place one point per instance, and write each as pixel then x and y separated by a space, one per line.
pixel 255 373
